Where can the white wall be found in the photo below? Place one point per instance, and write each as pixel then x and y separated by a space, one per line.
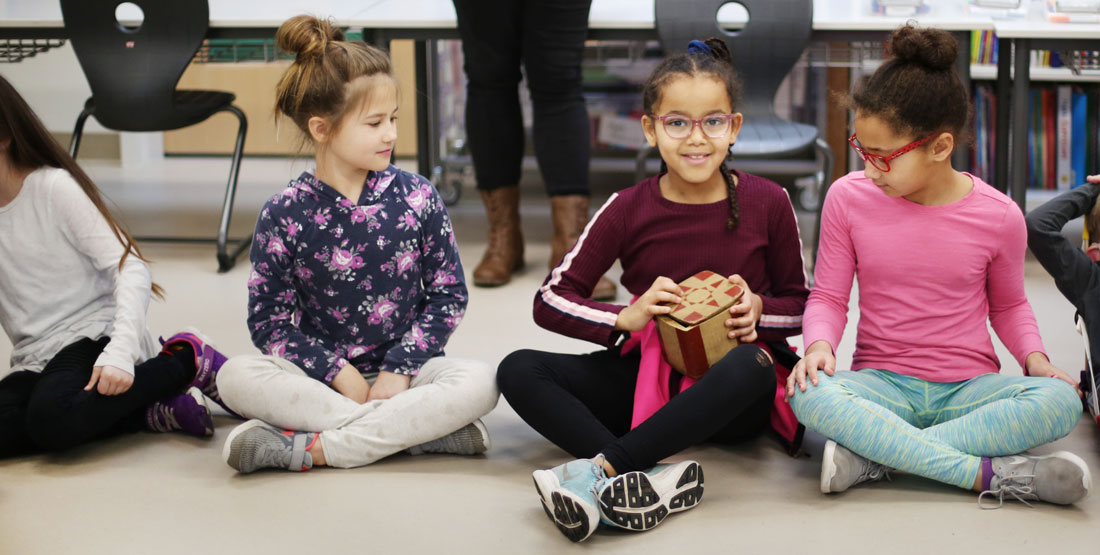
pixel 54 86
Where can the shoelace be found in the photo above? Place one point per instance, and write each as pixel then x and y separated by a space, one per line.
pixel 1011 487
pixel 164 418
pixel 875 471
pixel 276 452
pixel 601 477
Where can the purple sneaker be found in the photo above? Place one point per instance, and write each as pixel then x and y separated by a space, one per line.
pixel 186 412
pixel 208 360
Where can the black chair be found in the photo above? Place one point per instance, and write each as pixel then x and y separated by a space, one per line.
pixel 133 73
pixel 763 52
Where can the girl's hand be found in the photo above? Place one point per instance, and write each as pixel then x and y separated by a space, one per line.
pixel 112 380
pixel 1093 178
pixel 745 314
pixel 387 385
pixel 1039 366
pixel 351 384
pixel 637 315
pixel 818 357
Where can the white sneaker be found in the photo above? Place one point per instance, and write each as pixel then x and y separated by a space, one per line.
pixel 640 501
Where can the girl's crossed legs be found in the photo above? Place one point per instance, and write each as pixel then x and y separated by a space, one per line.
pixel 942 431
pixel 447 395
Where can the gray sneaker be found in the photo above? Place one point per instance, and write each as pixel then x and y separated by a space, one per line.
pixel 471 439
pixel 256 444
pixel 842 469
pixel 640 501
pixel 1061 478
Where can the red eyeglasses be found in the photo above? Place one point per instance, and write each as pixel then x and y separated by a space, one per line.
pixel 882 163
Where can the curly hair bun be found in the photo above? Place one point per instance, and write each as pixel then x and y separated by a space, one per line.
pixel 307 36
pixel 933 48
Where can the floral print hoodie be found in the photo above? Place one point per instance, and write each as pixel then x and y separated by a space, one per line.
pixel 375 283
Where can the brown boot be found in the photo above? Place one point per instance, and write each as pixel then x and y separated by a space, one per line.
pixel 504 254
pixel 569 214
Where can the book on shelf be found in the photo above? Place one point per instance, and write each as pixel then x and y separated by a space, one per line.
pixel 1063 134
pixel 1063 127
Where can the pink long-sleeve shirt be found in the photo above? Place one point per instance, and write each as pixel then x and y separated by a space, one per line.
pixel 929 279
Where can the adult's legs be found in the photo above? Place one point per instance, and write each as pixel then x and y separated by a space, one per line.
pixel 490 31
pixel 553 38
pixel 60 414
pixel 492 48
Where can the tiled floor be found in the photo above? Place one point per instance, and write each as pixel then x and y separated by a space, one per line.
pixel 173 494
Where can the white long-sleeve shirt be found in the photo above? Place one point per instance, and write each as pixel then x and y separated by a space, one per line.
pixel 60 281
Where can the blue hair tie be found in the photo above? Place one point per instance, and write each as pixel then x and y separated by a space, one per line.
pixel 698 46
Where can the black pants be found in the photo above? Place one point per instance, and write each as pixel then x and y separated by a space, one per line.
pixel 584 404
pixel 50 411
pixel 548 37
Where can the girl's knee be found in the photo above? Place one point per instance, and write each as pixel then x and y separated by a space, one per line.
pixel 516 371
pixel 50 426
pixel 747 362
pixel 236 375
pixel 805 402
pixel 484 391
pixel 1062 404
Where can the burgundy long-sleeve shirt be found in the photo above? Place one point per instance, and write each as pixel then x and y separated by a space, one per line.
pixel 652 236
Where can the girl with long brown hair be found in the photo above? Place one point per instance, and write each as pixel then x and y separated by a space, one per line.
pixel 74 290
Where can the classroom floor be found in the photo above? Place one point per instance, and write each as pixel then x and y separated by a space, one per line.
pixel 170 493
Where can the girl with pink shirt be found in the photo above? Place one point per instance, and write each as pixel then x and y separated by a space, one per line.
pixel 937 254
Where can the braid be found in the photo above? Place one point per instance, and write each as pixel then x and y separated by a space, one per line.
pixel 731 189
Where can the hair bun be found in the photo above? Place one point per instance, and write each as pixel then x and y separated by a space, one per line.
pixel 719 49
pixel 307 36
pixel 933 48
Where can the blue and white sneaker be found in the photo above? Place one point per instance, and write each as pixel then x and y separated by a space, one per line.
pixel 640 501
pixel 569 492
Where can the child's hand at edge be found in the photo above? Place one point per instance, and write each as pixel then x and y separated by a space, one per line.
pixel 819 356
pixel 112 380
pixel 387 385
pixel 1093 178
pixel 1039 366
pixel 650 304
pixel 745 314
pixel 351 384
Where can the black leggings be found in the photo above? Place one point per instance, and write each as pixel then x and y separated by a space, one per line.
pixel 548 37
pixel 584 404
pixel 50 411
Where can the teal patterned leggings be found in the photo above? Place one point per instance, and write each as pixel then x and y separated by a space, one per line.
pixel 937 430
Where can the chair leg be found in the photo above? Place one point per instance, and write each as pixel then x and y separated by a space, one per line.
pixel 824 153
pixel 640 163
pixel 227 258
pixel 78 131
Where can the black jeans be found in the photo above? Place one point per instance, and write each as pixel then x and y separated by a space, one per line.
pixel 50 411
pixel 584 404
pixel 548 37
